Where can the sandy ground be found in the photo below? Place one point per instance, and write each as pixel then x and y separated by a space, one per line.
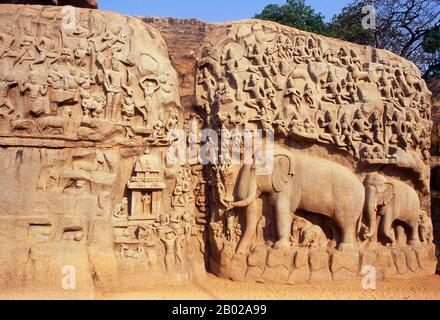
pixel 218 289
pixel 214 288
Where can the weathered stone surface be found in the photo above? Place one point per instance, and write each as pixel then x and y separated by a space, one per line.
pixel 344 265
pixel 84 117
pixel 87 130
pixel 385 262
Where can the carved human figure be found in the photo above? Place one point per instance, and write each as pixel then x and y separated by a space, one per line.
pixel 121 209
pixel 169 240
pixel 147 236
pixel 346 134
pixel 309 96
pixel 301 52
pixel 46 47
pixel 333 89
pixel 403 85
pixel 331 129
pixel 296 125
pixel 232 66
pixel 172 121
pixel 361 128
pixel 280 125
pixel 351 88
pixel 293 94
pixel 146 204
pixel 113 84
pixel 209 84
pixel 411 129
pixel 230 225
pixel 37 103
pixel 7 39
pixel 377 127
pixel 425 144
pixel 149 85
pixel 261 225
pixel 314 49
pixel 27 46
pixel 128 109
pixel 6 82
pixel 397 130
pixel 425 228
pixel 158 129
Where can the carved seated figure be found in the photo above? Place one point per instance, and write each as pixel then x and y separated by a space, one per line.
pixel 121 209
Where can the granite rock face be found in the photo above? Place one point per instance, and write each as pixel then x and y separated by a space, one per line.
pixel 85 113
pixel 94 111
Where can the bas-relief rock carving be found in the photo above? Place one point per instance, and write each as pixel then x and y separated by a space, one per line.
pixel 85 119
pixel 85 114
pixel 350 183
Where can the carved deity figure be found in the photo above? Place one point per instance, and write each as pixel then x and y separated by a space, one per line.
pixel 146 204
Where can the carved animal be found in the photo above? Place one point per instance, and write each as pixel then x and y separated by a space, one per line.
pixel 300 182
pixel 309 235
pixel 23 125
pixel 393 200
pixel 414 81
pixel 51 124
pixel 367 76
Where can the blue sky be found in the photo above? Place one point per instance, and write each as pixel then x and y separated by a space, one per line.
pixel 210 11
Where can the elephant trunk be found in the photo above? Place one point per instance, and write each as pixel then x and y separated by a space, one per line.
pixel 371 208
pixel 250 216
pixel 247 188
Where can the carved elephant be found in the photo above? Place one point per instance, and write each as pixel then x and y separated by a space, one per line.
pixel 393 200
pixel 300 182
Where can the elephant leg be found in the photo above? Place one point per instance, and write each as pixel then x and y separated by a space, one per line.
pixel 414 238
pixel 347 232
pixel 387 228
pixel 283 221
pixel 250 228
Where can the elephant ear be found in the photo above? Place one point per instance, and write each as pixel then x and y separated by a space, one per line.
pixel 389 193
pixel 282 173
